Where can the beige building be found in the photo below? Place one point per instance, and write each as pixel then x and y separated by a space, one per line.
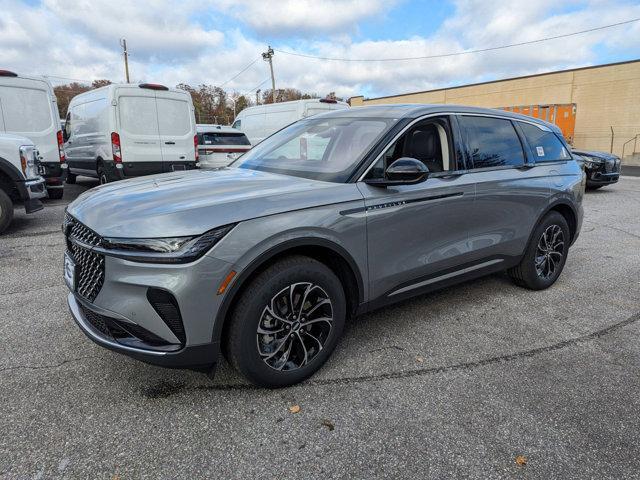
pixel 598 108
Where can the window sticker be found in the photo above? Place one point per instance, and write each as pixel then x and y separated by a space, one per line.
pixel 540 151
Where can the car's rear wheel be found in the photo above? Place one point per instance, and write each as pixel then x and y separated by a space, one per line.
pixel 546 254
pixel 286 322
pixel 6 210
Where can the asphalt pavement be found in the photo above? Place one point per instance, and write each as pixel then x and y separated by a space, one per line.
pixel 481 380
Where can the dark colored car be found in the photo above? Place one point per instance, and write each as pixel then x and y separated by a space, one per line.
pixel 601 168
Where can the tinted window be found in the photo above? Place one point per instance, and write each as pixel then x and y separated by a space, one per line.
pixel 545 146
pixel 138 115
pixel 223 138
pixel 26 110
pixel 173 117
pixel 492 142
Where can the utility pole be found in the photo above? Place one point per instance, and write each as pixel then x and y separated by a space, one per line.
pixel 258 96
pixel 123 44
pixel 267 57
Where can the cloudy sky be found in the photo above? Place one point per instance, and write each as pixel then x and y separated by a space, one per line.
pixel 211 41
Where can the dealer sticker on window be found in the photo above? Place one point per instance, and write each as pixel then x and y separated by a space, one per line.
pixel 540 151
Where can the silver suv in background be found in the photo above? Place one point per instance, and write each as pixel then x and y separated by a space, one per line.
pixel 330 217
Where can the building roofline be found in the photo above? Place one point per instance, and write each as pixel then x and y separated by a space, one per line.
pixel 590 67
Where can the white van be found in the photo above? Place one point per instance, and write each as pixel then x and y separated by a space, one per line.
pixel 127 130
pixel 218 145
pixel 28 108
pixel 261 121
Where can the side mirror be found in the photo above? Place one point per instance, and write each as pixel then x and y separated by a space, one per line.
pixel 403 171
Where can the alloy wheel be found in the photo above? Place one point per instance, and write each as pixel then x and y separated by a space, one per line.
pixel 294 326
pixel 549 252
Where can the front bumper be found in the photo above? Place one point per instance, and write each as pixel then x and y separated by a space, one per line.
pixel 598 178
pixel 197 357
pixel 122 315
pixel 31 191
pixel 54 174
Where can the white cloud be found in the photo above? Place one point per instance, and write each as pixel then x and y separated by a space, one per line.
pixel 301 17
pixel 169 46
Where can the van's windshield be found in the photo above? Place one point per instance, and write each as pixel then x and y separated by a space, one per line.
pixel 321 149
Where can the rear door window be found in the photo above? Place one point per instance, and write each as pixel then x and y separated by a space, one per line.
pixel 173 117
pixel 223 138
pixel 545 146
pixel 138 115
pixel 26 110
pixel 491 142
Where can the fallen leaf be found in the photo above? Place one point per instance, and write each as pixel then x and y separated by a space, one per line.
pixel 419 359
pixel 521 460
pixel 329 424
pixel 294 408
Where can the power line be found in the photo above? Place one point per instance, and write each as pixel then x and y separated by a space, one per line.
pixel 453 54
pixel 256 87
pixel 239 73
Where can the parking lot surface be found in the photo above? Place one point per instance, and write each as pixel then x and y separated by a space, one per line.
pixel 459 383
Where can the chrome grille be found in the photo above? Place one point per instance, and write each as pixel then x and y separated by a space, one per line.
pixel 89 264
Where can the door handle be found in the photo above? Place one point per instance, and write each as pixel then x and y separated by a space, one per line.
pixel 169 143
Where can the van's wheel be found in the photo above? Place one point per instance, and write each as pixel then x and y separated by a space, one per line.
pixel 6 211
pixel 286 322
pixel 71 178
pixel 102 175
pixel 55 193
pixel 545 255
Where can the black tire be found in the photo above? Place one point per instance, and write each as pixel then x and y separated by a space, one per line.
pixel 71 178
pixel 102 175
pixel 55 193
pixel 539 269
pixel 6 210
pixel 310 283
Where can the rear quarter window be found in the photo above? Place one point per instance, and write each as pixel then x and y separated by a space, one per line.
pixel 26 110
pixel 545 146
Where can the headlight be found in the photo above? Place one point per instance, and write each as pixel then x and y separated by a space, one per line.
pixel 592 162
pixel 28 163
pixel 165 250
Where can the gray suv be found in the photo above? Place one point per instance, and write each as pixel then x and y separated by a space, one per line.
pixel 328 218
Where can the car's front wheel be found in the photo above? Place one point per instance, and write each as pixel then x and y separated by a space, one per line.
pixel 286 322
pixel 545 255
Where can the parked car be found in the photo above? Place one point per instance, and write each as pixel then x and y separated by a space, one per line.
pixel 28 108
pixel 218 145
pixel 601 168
pixel 19 177
pixel 268 258
pixel 126 130
pixel 263 120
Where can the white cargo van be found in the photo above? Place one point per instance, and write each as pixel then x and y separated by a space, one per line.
pixel 263 120
pixel 28 108
pixel 127 130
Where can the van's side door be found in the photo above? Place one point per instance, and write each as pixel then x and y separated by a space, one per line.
pixel 416 234
pixel 510 193
pixel 137 122
pixel 176 126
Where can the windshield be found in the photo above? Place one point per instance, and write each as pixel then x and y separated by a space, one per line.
pixel 320 149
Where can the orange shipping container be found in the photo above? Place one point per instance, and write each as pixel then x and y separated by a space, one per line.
pixel 562 115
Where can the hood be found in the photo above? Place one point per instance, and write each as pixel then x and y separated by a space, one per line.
pixel 591 153
pixel 192 202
